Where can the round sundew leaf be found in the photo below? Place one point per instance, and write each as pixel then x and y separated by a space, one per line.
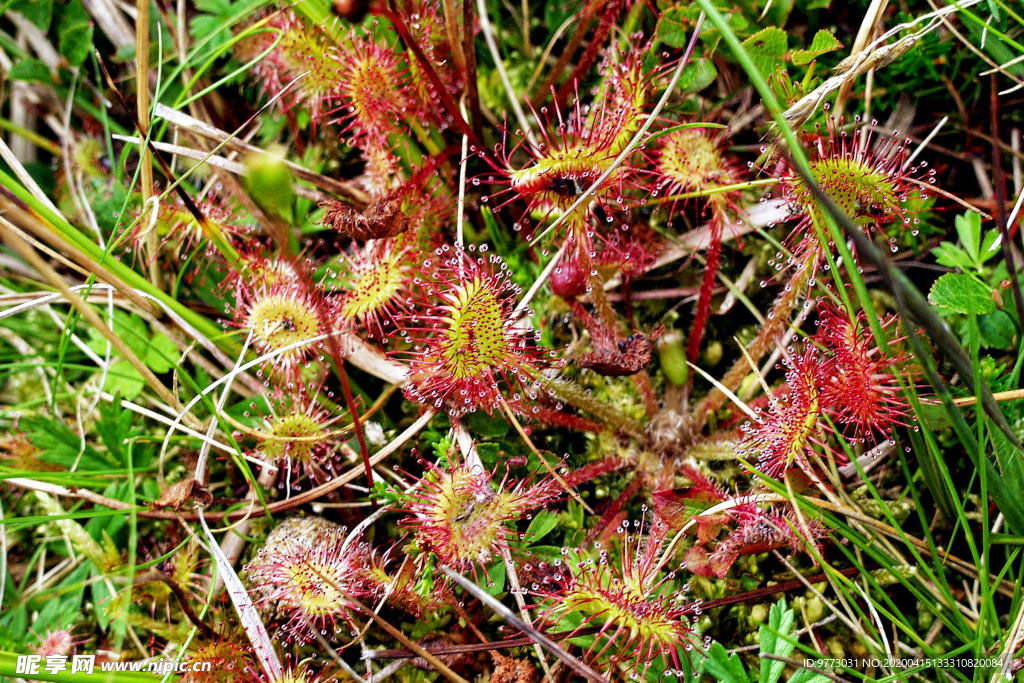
pixel 962 293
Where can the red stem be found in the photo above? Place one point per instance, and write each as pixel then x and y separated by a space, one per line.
pixel 707 288
pixel 435 80
pixel 590 55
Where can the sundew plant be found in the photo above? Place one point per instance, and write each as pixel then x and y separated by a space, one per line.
pixel 466 340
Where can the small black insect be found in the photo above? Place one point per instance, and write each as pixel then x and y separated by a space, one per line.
pixel 567 187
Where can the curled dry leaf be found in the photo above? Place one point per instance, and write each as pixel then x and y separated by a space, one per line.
pixel 382 218
pixel 511 670
pixel 176 496
pixel 615 357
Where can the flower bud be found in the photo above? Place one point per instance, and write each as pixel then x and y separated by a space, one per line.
pixel 673 357
pixel 269 183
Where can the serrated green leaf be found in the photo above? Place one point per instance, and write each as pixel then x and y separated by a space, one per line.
pixel 59 445
pixel 222 7
pixel 962 293
pixel 823 43
pixel 725 667
pixel 997 330
pixel 968 227
pixel 773 641
pixel 1011 466
pixel 162 354
pixel 75 32
pixel 114 428
pixel 489 453
pixel 101 598
pixel 130 328
pixel 34 70
pixel 767 48
pixel 123 377
pixel 949 255
pixel 487 426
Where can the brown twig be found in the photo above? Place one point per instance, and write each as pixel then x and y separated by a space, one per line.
pixel 567 54
pixel 428 69
pixel 155 575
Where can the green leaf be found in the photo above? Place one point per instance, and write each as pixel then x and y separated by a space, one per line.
pixel 808 676
pixel 674 27
pixel 990 245
pixel 968 227
pixel 487 426
pixel 489 453
pixel 101 601
pixel 997 330
pixel 31 70
pixel 60 445
pixel 162 354
pixel 123 377
pixel 221 7
pixel 543 523
pixel 39 12
pixel 114 428
pixel 949 255
pixel 75 32
pixel 824 42
pixel 725 667
pixel 962 293
pixel 495 581
pixel 767 49
pixel 697 75
pixel 130 328
pixel 1011 466
pixel 774 642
